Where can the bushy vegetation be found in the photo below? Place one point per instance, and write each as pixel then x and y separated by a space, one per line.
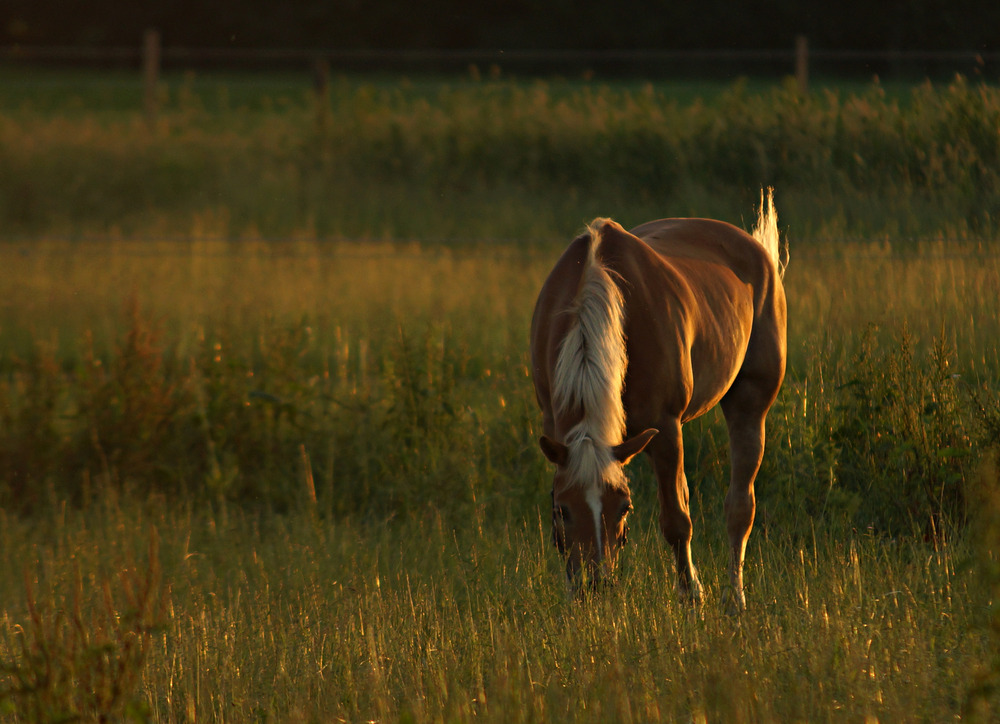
pixel 382 409
pixel 505 159
pixel 378 380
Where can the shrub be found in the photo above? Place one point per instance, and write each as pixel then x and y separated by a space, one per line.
pixel 82 656
pixel 887 451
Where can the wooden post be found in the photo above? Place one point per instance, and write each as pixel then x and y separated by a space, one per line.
pixel 321 76
pixel 321 96
pixel 151 74
pixel 802 63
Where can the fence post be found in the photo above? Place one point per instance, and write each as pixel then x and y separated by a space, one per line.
pixel 802 63
pixel 321 95
pixel 151 74
pixel 321 75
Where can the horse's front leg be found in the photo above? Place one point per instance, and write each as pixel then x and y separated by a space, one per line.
pixel 667 453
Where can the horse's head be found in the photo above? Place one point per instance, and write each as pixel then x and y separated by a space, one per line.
pixel 591 503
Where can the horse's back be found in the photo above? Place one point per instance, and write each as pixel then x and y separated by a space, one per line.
pixel 708 243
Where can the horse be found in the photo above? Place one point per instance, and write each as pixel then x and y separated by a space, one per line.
pixel 635 333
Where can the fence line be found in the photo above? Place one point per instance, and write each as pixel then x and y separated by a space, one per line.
pixel 795 59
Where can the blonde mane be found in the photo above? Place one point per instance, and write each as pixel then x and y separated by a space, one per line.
pixel 590 374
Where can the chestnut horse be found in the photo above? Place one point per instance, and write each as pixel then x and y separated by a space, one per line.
pixel 635 333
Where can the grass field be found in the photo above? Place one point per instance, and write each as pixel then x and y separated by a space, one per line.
pixel 298 480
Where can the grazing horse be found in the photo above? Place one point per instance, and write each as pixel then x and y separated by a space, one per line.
pixel 634 333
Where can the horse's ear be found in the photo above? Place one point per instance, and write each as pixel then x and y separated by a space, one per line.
pixel 630 448
pixel 556 452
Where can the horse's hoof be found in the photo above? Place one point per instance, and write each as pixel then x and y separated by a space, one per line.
pixel 691 593
pixel 733 603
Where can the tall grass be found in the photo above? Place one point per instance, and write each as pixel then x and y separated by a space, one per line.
pixel 277 617
pixel 218 362
pixel 401 375
pixel 505 159
pixel 211 369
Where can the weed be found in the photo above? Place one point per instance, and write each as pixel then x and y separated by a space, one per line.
pixel 83 659
pixel 905 422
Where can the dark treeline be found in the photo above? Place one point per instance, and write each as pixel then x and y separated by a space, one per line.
pixel 508 24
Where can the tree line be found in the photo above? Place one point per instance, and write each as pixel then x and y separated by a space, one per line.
pixel 511 24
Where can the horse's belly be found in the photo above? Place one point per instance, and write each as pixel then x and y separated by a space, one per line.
pixel 716 360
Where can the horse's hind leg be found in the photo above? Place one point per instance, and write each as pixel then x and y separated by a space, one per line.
pixel 745 407
pixel 667 453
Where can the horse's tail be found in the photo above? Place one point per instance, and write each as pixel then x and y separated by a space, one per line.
pixel 766 231
pixel 590 369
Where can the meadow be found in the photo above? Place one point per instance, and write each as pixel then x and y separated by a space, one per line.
pixel 279 463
